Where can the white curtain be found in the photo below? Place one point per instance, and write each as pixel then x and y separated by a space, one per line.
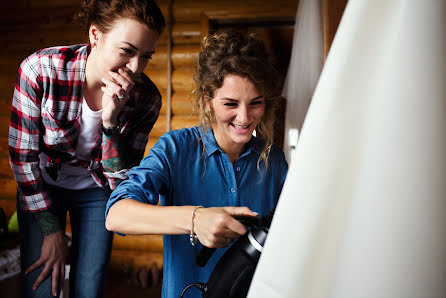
pixel 363 209
pixel 307 59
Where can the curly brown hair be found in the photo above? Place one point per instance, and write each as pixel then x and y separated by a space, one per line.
pixel 104 13
pixel 241 54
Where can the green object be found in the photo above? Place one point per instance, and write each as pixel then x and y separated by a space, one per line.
pixel 13 225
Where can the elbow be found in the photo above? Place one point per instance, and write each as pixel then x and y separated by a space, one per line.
pixel 110 220
pixel 109 225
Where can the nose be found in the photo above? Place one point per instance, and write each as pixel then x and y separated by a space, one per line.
pixel 136 65
pixel 243 114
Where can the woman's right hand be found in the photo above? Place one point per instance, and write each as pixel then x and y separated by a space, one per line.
pixel 216 227
pixel 52 256
pixel 118 83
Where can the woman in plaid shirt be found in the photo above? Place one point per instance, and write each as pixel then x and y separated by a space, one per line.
pixel 80 119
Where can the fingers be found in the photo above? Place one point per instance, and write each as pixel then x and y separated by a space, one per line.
pixel 55 279
pixel 215 227
pixel 42 276
pixel 62 276
pixel 34 266
pixel 120 82
pixel 112 89
pixel 237 211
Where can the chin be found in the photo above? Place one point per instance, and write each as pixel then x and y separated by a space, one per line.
pixel 242 140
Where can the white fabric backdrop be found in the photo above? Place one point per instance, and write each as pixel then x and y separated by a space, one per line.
pixel 363 209
pixel 307 59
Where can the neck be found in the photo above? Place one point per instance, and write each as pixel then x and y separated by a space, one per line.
pixel 92 86
pixel 233 150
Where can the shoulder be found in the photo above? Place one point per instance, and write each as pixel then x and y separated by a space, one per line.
pixel 183 136
pixel 174 143
pixel 56 58
pixel 56 54
pixel 276 155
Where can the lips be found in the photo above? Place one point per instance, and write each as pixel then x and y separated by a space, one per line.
pixel 239 127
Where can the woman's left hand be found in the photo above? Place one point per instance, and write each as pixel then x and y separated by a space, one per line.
pixel 216 227
pixel 116 90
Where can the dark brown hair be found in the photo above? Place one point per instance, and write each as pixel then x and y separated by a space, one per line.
pixel 104 13
pixel 240 54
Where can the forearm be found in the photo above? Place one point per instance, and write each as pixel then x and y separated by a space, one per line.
pixel 129 216
pixel 110 153
pixel 48 222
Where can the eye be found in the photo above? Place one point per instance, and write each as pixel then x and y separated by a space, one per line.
pixel 127 51
pixel 147 57
pixel 231 104
pixel 256 102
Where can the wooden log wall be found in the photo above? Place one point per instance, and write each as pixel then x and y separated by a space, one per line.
pixel 28 25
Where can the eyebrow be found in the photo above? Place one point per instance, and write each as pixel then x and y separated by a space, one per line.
pixel 135 48
pixel 231 99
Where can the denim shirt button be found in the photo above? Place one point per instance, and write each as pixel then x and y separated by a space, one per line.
pixel 238 169
pixel 232 190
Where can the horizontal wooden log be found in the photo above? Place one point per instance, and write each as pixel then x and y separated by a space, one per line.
pixel 38 37
pixel 7 83
pixel 182 56
pixel 42 17
pixel 147 243
pixel 182 80
pixel 4 122
pixel 185 55
pixel 181 121
pixel 152 141
pixel 8 186
pixel 159 128
pixel 181 104
pixel 185 10
pixel 186 33
pixel 158 76
pixel 4 149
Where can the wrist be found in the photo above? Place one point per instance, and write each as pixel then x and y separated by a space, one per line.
pixel 193 237
pixel 110 123
pixel 48 222
pixel 110 130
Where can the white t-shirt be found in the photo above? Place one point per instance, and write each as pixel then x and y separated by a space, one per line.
pixel 76 177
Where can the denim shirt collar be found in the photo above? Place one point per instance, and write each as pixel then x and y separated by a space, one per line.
pixel 211 146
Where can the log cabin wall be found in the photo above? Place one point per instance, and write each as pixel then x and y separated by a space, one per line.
pixel 28 25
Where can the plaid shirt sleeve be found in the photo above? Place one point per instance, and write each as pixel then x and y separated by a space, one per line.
pixel 24 136
pixel 128 147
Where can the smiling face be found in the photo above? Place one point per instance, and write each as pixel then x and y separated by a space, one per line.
pixel 128 42
pixel 238 108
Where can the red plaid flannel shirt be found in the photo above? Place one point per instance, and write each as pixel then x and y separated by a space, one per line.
pixel 46 109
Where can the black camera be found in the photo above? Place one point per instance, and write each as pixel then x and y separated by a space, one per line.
pixel 233 273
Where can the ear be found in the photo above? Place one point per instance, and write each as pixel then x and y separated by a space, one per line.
pixel 207 105
pixel 94 34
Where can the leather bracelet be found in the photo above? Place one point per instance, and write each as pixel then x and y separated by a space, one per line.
pixel 110 131
pixel 193 237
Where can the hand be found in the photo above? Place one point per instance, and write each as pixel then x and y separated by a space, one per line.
pixel 216 227
pixel 118 84
pixel 52 256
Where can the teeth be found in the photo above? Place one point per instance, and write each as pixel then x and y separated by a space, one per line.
pixel 240 126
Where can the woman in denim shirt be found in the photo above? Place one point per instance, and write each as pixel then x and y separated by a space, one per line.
pixel 207 174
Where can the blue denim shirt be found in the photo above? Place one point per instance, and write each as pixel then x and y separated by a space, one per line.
pixel 180 172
